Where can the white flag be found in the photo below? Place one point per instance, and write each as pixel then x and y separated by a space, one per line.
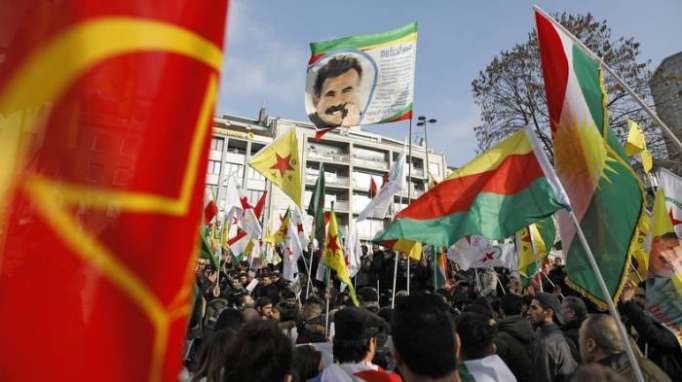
pixel 474 251
pixel 672 187
pixel 302 222
pixel 378 206
pixel 353 251
pixel 292 252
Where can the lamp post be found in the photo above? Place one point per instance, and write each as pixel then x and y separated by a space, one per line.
pixel 423 121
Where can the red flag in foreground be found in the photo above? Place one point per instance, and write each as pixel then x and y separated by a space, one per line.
pixel 106 115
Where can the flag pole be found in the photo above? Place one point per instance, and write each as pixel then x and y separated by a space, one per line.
pixel 395 278
pixel 310 267
pixel 409 200
pixel 618 78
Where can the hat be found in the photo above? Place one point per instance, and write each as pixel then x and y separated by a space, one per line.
pixel 548 300
pixel 357 324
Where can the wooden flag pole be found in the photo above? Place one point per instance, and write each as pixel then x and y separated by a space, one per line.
pixel 409 200
pixel 395 279
pixel 618 78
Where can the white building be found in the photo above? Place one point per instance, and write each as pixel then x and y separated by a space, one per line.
pixel 350 158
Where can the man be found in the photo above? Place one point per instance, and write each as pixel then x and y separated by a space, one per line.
pixel 551 356
pixel 663 347
pixel 574 312
pixel 600 342
pixel 662 252
pixel 477 332
pixel 264 307
pixel 425 346
pixel 354 346
pixel 514 337
pixel 335 95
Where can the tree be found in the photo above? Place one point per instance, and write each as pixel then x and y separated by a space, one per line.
pixel 511 94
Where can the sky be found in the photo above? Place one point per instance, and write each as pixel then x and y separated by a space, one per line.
pixel 267 48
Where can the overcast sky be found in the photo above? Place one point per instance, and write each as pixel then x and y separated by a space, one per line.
pixel 267 51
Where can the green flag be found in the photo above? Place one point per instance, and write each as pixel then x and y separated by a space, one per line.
pixel 316 208
pixel 205 249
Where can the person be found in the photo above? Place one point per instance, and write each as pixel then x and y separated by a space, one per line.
pixel 659 265
pixel 551 356
pixel 601 343
pixel 259 352
pixel 264 307
pixel 229 318
pixel 354 346
pixel 664 350
pixel 476 333
pixel 514 336
pixel 335 93
pixel 574 312
pixel 425 345
pixel 307 363
pixel 369 299
pixel 212 356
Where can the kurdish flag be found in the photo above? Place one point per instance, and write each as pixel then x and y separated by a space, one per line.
pixel 493 196
pixel 534 244
pixel 591 163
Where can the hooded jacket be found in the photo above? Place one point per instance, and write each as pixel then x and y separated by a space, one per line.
pixel 513 340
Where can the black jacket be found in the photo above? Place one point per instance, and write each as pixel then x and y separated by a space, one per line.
pixel 664 350
pixel 513 340
pixel 571 330
pixel 551 356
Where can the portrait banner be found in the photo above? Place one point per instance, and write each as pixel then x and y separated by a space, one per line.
pixel 362 80
pixel 106 111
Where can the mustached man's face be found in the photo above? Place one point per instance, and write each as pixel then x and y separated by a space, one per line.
pixel 659 265
pixel 338 103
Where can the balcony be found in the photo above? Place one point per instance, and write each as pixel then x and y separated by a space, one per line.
pixel 333 181
pixel 328 157
pixel 339 205
pixel 374 164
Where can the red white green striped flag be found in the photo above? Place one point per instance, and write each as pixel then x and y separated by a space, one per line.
pixel 494 195
pixel 590 161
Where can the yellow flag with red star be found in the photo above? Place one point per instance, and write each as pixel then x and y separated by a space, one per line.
pixel 333 256
pixel 279 162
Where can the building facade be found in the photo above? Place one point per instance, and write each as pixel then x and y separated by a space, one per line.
pixel 350 158
pixel 666 88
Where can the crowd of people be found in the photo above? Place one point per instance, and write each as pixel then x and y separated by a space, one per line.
pixel 252 325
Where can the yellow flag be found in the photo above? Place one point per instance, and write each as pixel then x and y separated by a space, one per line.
pixel 636 144
pixel 333 256
pixel 410 247
pixel 661 223
pixel 641 253
pixel 279 162
pixel 281 235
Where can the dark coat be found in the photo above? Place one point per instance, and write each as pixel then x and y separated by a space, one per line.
pixel 551 356
pixel 513 340
pixel 571 332
pixel 664 350
pixel 620 363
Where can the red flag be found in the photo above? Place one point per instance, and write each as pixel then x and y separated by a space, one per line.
pixel 372 188
pixel 107 110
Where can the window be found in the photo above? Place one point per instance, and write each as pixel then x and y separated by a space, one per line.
pixel 217 144
pixel 253 174
pixel 213 167
pixel 235 170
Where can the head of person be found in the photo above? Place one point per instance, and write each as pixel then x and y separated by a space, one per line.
pixel 250 314
pixel 658 264
pixel 599 338
pixel 545 310
pixel 246 301
pixel 336 91
pixel 514 285
pixel 369 299
pixel 265 280
pixel 355 339
pixel 312 308
pixel 425 343
pixel 264 307
pixel 259 352
pixel 511 305
pixel 229 318
pixel 212 355
pixel 307 363
pixel 573 309
pixel 276 314
pixel 476 333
